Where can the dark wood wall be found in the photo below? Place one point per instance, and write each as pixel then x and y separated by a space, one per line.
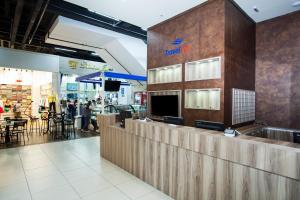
pixel 239 54
pixel 278 71
pixel 215 28
pixel 203 28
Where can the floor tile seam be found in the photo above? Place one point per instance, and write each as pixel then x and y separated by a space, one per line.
pixel 62 175
pixel 25 176
pixel 102 176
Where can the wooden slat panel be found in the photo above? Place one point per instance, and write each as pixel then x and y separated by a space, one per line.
pixel 195 164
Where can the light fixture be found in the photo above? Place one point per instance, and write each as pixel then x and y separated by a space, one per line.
pixel 94 54
pixel 255 9
pixel 62 49
pixel 92 11
pixel 104 15
pixel 296 4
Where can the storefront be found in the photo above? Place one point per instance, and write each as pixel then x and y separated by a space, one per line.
pixel 28 83
pixel 71 68
pixel 27 89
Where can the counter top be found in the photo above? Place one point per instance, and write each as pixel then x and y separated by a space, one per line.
pixel 241 137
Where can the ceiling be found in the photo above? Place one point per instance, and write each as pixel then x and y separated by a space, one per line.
pixel 24 24
pixel 148 13
pixel 123 53
pixel 143 13
pixel 267 8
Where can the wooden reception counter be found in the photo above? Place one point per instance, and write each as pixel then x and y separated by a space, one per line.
pixel 195 164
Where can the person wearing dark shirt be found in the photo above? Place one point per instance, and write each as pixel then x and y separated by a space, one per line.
pixel 71 110
pixel 86 115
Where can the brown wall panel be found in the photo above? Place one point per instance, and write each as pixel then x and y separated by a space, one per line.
pixel 216 28
pixel 239 54
pixel 278 71
pixel 203 29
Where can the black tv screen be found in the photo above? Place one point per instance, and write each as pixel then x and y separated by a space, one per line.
pixel 112 86
pixel 166 105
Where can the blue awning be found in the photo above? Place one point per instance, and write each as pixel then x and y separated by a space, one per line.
pixel 87 78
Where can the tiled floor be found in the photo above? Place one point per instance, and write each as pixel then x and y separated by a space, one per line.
pixel 68 170
pixel 36 138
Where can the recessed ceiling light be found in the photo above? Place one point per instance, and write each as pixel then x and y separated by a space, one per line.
pixel 255 9
pixel 296 4
pixel 62 49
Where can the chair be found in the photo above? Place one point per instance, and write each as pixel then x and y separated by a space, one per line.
pixel 69 123
pixel 2 134
pixel 58 123
pixel 19 129
pixel 34 121
pixel 44 118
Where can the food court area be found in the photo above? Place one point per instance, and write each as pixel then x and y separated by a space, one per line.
pixel 43 106
pixel 149 100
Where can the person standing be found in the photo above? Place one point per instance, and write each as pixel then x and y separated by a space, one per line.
pixel 87 113
pixel 17 109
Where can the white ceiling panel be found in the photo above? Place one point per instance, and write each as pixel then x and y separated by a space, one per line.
pixel 143 13
pixel 267 9
pixel 123 53
pixel 146 13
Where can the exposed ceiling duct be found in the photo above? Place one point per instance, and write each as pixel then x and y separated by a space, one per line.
pixel 34 15
pixel 16 21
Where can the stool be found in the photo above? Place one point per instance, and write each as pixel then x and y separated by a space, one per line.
pixel 34 121
pixel 57 123
pixel 44 118
pixel 69 123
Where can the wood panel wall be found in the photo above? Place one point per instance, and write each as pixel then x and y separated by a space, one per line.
pixel 215 28
pixel 197 164
pixel 203 28
pixel 278 71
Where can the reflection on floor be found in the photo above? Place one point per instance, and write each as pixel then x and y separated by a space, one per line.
pixel 67 170
pixel 36 138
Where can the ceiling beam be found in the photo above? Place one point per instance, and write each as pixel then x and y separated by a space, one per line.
pixel 7 9
pixel 16 21
pixel 35 13
pixel 40 19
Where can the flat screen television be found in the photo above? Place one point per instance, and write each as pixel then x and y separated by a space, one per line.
pixel 164 105
pixel 112 86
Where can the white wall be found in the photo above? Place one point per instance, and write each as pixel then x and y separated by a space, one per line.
pixel 125 98
pixel 28 77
